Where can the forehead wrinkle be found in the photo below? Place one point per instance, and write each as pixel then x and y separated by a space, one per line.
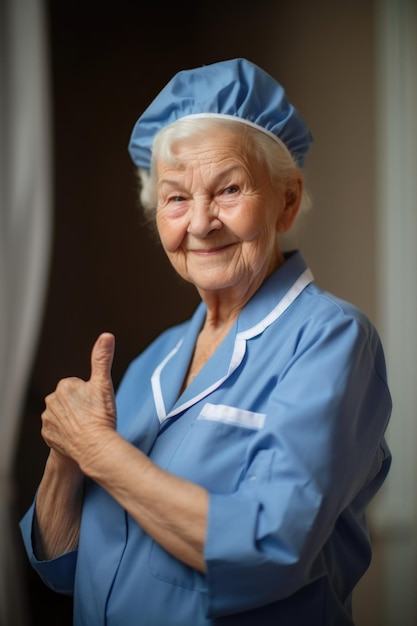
pixel 210 159
pixel 222 174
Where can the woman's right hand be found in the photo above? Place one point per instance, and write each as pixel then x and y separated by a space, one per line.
pixel 80 414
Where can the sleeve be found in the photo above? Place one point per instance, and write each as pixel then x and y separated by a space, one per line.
pixel 59 573
pixel 319 459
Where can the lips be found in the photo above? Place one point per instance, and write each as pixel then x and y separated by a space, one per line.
pixel 211 250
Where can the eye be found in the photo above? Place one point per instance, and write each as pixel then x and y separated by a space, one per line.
pixel 230 190
pixel 176 199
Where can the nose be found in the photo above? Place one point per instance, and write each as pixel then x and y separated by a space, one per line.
pixel 204 217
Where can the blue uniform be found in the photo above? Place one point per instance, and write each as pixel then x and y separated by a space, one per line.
pixel 284 426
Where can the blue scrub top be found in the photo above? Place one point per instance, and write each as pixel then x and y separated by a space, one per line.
pixel 284 426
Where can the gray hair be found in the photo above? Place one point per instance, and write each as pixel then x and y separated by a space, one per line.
pixel 274 155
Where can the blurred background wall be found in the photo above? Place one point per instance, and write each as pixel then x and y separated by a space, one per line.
pixel 339 62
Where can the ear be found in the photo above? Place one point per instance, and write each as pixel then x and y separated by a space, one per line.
pixel 293 191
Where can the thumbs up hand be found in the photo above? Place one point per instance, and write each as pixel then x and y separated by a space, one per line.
pixel 79 414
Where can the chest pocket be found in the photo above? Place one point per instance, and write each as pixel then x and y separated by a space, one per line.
pixel 233 416
pixel 213 452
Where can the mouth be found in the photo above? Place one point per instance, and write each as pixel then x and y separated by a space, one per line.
pixel 210 251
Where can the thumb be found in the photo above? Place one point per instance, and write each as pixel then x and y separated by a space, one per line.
pixel 102 358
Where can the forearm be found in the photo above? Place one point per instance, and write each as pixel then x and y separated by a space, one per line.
pixel 170 509
pixel 58 508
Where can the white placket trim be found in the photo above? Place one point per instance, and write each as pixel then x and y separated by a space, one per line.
pixel 238 353
pixel 156 383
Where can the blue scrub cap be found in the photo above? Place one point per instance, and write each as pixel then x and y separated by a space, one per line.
pixel 236 88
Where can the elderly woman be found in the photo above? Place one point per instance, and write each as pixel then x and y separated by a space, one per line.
pixel 228 481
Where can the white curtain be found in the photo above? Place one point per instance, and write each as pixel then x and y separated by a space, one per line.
pixel 396 125
pixel 25 232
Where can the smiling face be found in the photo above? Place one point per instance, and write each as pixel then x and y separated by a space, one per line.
pixel 218 215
